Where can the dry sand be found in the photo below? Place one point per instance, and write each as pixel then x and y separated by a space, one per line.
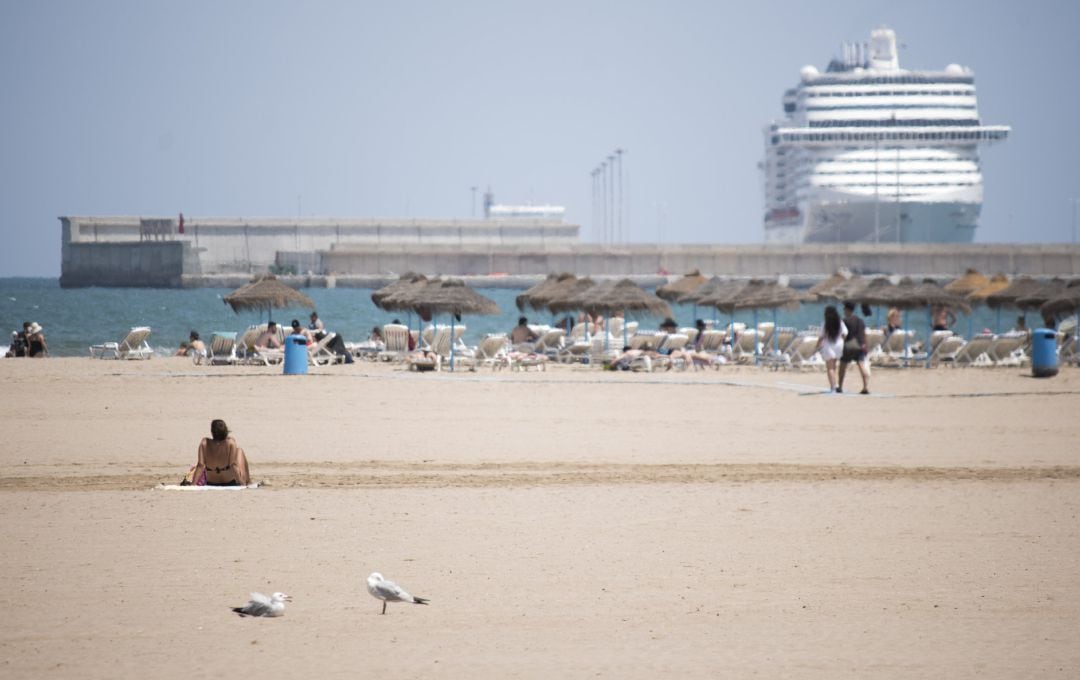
pixel 572 523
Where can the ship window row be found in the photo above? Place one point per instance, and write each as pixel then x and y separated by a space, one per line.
pixel 887 93
pixel 833 137
pixel 906 79
pixel 895 122
pixel 906 186
pixel 872 107
pixel 892 171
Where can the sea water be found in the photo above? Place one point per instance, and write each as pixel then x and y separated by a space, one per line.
pixel 73 319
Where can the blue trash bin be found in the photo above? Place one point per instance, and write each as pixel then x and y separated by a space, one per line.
pixel 296 355
pixel 1044 353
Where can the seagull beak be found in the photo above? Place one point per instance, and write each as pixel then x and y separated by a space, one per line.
pixel 288 598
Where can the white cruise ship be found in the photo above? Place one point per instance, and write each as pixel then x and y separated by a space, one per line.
pixel 870 152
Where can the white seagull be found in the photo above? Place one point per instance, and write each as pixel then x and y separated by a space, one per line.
pixel 261 605
pixel 388 591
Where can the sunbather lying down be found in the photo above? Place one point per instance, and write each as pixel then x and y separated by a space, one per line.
pixel 422 360
pixel 221 460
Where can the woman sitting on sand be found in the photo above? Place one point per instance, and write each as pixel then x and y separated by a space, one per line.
pixel 221 461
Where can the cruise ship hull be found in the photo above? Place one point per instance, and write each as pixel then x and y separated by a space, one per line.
pixel 848 222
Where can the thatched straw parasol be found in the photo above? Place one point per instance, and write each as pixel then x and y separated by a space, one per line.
pixel 769 295
pixel 406 281
pixel 998 282
pixel 1065 302
pixel 704 290
pixel 266 292
pixel 623 295
pixel 674 291
pixel 879 291
pixel 449 296
pixel 724 295
pixel 930 294
pixel 1043 293
pixel 537 296
pixel 1007 296
pixel 967 284
pixel 837 286
pixel 566 297
pixel 446 296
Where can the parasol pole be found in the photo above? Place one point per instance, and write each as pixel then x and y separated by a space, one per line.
pixel 997 322
pixel 775 335
pixel 452 343
pixel 757 337
pixel 625 342
pixel 906 336
pixel 930 335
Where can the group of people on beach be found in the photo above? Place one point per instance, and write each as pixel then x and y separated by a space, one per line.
pixel 843 341
pixel 29 342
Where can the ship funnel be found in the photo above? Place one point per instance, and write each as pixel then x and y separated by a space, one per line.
pixel 883 55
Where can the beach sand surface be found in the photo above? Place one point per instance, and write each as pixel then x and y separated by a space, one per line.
pixel 567 523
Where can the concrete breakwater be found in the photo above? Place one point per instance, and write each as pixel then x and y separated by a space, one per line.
pixel 129 252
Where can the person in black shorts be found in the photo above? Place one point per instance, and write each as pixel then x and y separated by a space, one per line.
pixel 854 349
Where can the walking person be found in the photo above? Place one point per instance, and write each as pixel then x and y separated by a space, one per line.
pixel 854 349
pixel 831 343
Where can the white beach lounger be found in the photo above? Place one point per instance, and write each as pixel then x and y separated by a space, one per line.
pixel 132 346
pixel 396 337
pixel 222 349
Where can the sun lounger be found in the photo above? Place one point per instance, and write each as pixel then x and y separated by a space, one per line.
pixel 803 351
pixel 222 349
pixel 132 346
pixel 551 341
pixel 396 337
pixel 492 351
pixel 947 350
pixel 320 354
pixel 974 352
pixel 1006 349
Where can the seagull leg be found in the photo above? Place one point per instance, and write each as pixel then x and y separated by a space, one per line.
pixel 384 606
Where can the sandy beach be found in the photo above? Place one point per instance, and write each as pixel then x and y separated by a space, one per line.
pixel 568 523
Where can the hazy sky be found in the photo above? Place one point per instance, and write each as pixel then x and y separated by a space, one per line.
pixel 396 108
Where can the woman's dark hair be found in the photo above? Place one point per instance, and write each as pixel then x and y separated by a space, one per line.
pixel 219 430
pixel 194 335
pixel 832 323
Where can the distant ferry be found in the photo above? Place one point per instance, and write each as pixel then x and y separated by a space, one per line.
pixel 870 152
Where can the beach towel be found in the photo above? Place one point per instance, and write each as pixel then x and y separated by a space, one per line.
pixel 193 487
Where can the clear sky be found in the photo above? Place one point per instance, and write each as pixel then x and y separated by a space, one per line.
pixel 396 108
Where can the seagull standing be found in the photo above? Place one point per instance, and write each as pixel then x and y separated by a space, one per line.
pixel 261 605
pixel 388 591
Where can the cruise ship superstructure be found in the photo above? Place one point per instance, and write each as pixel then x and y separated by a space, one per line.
pixel 870 152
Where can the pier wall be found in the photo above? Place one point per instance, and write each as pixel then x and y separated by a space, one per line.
pixel 807 261
pixel 133 251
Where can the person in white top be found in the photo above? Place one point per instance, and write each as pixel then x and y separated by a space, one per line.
pixel 831 343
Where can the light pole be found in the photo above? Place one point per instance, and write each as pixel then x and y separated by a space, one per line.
pixel 611 196
pixel 472 210
pixel 1074 201
pixel 619 213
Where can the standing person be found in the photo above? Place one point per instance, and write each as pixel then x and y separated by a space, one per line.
pixel 831 343
pixel 37 348
pixel 854 349
pixel 221 460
